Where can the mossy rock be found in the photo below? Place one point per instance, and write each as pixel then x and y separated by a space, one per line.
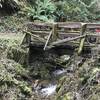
pixel 63 60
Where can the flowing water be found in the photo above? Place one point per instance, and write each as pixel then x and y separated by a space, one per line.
pixel 59 72
pixel 50 88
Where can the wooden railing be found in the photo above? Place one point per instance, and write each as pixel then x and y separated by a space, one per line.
pixel 54 34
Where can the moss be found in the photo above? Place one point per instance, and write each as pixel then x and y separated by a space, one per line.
pixel 18 54
pixel 11 72
pixel 10 40
pixel 61 82
pixel 68 96
pixel 11 48
pixel 11 76
pixel 25 88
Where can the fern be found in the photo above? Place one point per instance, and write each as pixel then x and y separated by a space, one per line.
pixel 42 10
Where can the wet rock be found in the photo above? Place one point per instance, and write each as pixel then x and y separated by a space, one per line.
pixel 64 58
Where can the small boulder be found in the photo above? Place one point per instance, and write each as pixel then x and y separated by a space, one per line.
pixel 64 58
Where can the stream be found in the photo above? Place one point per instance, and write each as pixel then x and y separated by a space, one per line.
pixel 48 69
pixel 50 88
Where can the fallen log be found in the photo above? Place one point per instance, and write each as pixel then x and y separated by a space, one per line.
pixel 64 40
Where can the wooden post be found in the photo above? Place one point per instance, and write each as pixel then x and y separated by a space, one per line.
pixel 54 32
pixel 83 29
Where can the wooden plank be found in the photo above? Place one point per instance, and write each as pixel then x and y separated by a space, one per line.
pixel 47 32
pixel 65 25
pixel 78 25
pixel 40 32
pixel 38 38
pixel 73 25
pixel 65 40
pixel 62 34
pixel 39 26
pixel 71 43
pixel 93 26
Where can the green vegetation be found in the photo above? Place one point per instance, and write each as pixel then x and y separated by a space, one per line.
pixel 10 84
pixel 64 10
pixel 42 10
pixel 79 10
pixel 57 10
pixel 13 68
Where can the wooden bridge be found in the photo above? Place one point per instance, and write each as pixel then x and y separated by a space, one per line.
pixel 62 33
